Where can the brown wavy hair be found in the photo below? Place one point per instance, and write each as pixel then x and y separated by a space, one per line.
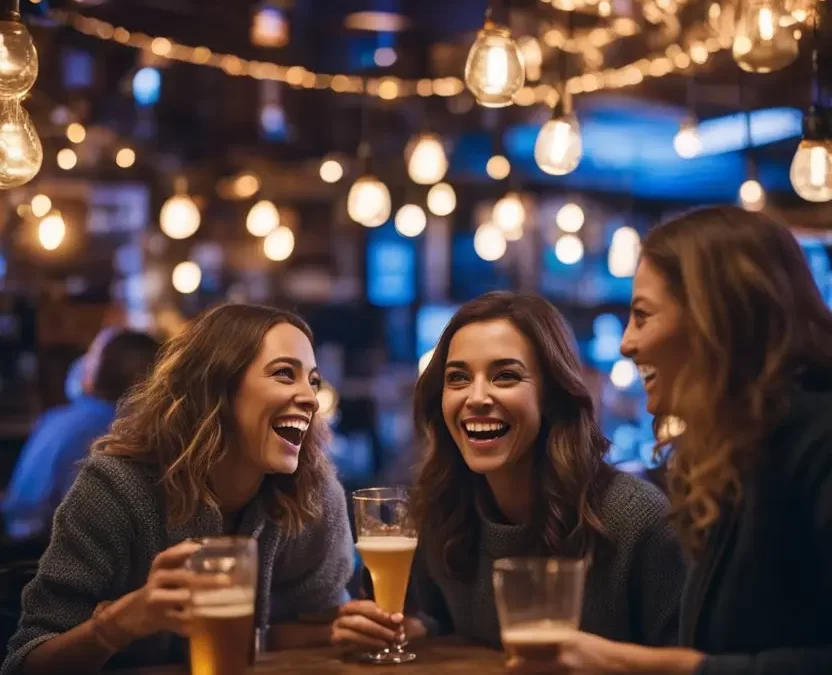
pixel 568 455
pixel 180 420
pixel 756 326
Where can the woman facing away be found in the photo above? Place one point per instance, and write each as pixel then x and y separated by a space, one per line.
pixel 731 336
pixel 515 467
pixel 221 438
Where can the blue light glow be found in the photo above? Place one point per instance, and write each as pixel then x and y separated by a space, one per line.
pixel 147 86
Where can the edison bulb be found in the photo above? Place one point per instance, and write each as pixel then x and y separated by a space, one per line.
pixel 811 170
pixel 570 218
pixel 752 196
pixel 687 142
pixel 761 43
pixel 279 244
pixel 569 249
pixel 489 242
pixel 559 147
pixel 179 217
pixel 441 199
pixel 410 220
pixel 262 218
pixel 18 60
pixel 21 153
pixel 625 249
pixel 186 277
pixel 368 202
pixel 331 171
pixel 51 231
pixel 498 167
pixel 427 163
pixel 495 70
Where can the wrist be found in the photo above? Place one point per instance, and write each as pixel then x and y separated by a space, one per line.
pixel 667 661
pixel 116 624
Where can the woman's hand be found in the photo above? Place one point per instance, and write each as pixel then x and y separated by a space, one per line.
pixel 362 624
pixel 587 654
pixel 162 604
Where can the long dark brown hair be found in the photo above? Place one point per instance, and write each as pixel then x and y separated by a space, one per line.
pixel 568 456
pixel 181 420
pixel 756 326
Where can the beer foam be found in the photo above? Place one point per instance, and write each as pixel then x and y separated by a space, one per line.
pixel 224 602
pixel 538 633
pixel 386 544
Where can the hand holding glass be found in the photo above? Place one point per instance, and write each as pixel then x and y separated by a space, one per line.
pixel 222 623
pixel 386 542
pixel 539 603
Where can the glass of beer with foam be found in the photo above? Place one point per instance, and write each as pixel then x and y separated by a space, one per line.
pixel 222 605
pixel 386 542
pixel 539 604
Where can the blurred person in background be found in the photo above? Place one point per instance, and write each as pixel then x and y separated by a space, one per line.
pixel 221 439
pixel 116 360
pixel 731 335
pixel 515 467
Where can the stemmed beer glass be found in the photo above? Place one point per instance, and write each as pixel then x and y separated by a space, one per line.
pixel 386 542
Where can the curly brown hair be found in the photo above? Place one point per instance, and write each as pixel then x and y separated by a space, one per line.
pixel 756 326
pixel 571 475
pixel 180 419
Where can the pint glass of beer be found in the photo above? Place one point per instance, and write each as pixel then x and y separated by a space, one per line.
pixel 539 604
pixel 386 542
pixel 222 605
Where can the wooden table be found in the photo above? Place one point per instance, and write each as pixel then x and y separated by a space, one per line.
pixel 434 657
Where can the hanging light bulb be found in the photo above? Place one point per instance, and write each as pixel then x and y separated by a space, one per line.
pixel 262 218
pixel 811 170
pixel 532 56
pixel 489 242
pixel 186 277
pixel 752 195
pixel 559 147
pixel 441 199
pixel 761 43
pixel 498 167
pixel 427 163
pixel 410 220
pixel 179 217
pixel 570 218
pixel 18 56
pixel 368 202
pixel 569 249
pixel 494 70
pixel 279 244
pixel 687 142
pixel 625 248
pixel 51 231
pixel 509 215
pixel 21 153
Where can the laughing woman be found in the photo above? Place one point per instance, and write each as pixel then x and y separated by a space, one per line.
pixel 515 467
pixel 222 438
pixel 734 338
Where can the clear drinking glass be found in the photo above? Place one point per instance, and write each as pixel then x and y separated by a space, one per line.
pixel 539 603
pixel 386 542
pixel 222 628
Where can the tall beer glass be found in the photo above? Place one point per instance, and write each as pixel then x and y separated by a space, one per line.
pixel 386 542
pixel 222 624
pixel 539 603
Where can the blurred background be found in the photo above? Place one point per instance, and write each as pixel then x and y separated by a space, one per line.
pixel 202 151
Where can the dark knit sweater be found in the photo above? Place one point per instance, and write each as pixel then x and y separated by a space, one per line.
pixel 111 526
pixel 632 595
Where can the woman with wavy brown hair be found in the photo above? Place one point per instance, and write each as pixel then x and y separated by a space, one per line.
pixel 515 467
pixel 731 336
pixel 221 439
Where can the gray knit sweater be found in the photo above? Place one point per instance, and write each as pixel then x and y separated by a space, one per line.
pixel 110 527
pixel 631 595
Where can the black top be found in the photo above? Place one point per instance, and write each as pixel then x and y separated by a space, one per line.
pixel 759 599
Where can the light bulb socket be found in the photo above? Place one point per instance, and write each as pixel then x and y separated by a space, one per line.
pixel 817 124
pixel 496 15
pixel 10 10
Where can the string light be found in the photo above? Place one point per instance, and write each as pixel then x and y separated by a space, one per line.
pixel 67 159
pixel 686 142
pixel 125 158
pixel 625 248
pixel 331 171
pixel 570 218
pixel 652 66
pixel 41 205
pixel 279 244
pixel 498 167
pixel 441 200
pixel 18 56
pixel 410 220
pixel 489 242
pixel 762 43
pixel 21 152
pixel 494 70
pixel 262 218
pixel 179 217
pixel 76 133
pixel 427 163
pixel 569 249
pixel 368 202
pixel 752 195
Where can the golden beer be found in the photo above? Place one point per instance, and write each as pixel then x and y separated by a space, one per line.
pixel 388 559
pixel 537 640
pixel 222 631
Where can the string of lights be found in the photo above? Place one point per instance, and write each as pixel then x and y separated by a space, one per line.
pixel 676 57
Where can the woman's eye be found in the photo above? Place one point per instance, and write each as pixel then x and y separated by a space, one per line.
pixel 283 372
pixel 316 384
pixel 507 375
pixel 455 377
